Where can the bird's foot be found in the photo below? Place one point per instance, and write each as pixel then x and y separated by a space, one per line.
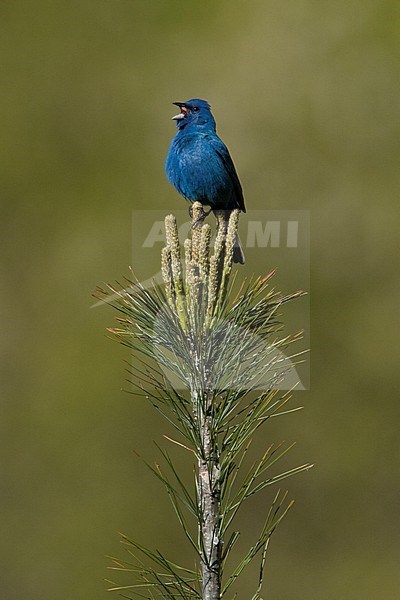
pixel 200 218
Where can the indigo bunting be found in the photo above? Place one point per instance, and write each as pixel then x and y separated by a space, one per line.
pixel 199 165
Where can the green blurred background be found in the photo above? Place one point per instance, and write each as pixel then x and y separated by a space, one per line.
pixel 305 93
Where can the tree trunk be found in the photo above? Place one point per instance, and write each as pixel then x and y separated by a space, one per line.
pixel 209 501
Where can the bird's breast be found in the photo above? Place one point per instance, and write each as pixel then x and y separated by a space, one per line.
pixel 196 170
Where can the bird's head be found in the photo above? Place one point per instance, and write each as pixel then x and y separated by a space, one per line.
pixel 194 113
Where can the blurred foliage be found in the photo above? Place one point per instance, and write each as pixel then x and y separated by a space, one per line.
pixel 305 95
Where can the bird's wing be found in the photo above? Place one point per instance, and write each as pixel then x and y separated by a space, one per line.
pixel 222 151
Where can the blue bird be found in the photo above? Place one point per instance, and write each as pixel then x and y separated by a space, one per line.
pixel 199 165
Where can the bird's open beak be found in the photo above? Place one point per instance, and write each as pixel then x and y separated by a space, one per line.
pixel 183 112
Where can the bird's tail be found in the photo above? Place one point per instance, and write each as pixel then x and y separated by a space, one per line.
pixel 222 217
pixel 238 254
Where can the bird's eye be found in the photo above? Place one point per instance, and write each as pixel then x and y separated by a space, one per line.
pixel 195 108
